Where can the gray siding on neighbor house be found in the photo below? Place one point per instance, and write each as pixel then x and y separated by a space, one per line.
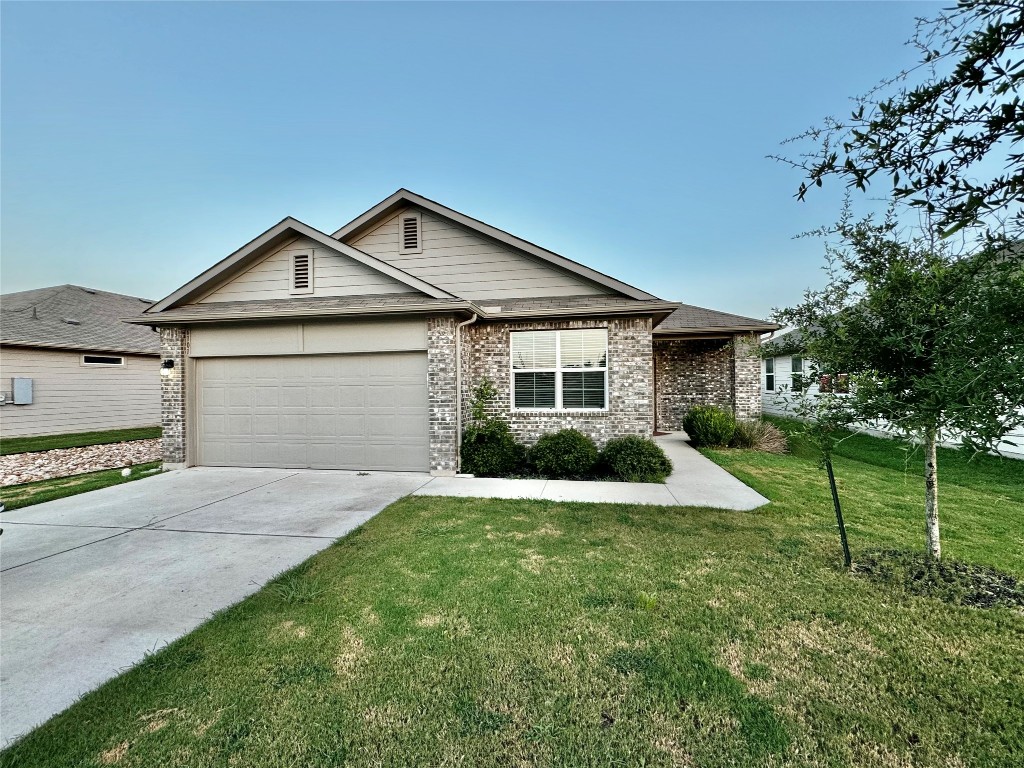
pixel 71 397
pixel 334 274
pixel 471 266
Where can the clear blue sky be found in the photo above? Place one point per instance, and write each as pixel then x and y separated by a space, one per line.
pixel 142 142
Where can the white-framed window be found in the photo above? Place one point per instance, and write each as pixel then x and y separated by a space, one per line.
pixel 769 374
pixel 301 272
pixel 410 232
pixel 798 373
pixel 103 360
pixel 560 370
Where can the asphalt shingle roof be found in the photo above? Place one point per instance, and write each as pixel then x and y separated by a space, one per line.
pixel 689 317
pixel 511 306
pixel 73 317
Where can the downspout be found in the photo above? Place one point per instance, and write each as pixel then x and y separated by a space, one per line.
pixel 458 389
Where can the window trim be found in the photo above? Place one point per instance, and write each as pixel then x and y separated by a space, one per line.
pixel 87 364
pixel 769 375
pixel 291 272
pixel 402 218
pixel 558 371
pixel 796 373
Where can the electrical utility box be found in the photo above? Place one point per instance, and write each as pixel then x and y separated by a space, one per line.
pixel 21 391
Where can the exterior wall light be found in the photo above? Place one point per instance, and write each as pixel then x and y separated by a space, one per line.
pixel 166 368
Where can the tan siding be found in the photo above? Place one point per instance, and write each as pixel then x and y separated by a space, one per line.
pixel 462 262
pixel 70 397
pixel 321 337
pixel 333 275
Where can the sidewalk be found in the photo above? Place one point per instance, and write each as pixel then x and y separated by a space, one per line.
pixel 695 482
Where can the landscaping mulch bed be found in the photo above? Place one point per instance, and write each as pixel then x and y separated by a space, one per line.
pixel 978 586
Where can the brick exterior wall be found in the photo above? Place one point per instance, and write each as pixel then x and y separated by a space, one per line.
pixel 747 376
pixel 691 373
pixel 486 353
pixel 173 346
pixel 721 372
pixel 441 394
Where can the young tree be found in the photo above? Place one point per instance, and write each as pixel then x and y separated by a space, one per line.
pixel 933 342
pixel 947 133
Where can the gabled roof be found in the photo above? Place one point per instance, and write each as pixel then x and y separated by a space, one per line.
pixel 404 197
pixel 276 236
pixel 73 317
pixel 690 319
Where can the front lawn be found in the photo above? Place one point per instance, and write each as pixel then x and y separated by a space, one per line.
pixel 10 445
pixel 27 494
pixel 493 633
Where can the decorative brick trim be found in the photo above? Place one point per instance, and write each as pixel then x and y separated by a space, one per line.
pixel 486 354
pixel 173 346
pixel 441 393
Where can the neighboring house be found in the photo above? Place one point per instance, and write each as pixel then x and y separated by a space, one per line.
pixel 68 363
pixel 787 373
pixel 360 349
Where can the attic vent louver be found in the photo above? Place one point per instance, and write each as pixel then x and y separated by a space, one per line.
pixel 409 235
pixel 302 272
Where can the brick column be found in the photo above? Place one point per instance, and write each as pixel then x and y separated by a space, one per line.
pixel 173 346
pixel 746 360
pixel 441 394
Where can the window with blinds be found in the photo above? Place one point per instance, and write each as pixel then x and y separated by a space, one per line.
pixel 560 370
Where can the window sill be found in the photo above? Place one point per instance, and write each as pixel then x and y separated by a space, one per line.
pixel 559 412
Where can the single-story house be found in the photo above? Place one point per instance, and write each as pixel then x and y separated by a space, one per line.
pixel 360 349
pixel 786 373
pixel 69 364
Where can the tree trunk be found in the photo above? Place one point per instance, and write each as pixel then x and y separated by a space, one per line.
pixel 931 496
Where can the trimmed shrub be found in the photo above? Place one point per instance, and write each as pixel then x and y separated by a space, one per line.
pixel 488 447
pixel 759 436
pixel 709 426
pixel 635 460
pixel 490 450
pixel 564 455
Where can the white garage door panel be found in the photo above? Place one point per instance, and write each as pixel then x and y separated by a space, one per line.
pixel 362 411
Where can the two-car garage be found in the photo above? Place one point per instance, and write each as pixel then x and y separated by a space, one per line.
pixel 359 401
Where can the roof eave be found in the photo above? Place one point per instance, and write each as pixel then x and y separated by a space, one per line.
pixel 162 320
pixel 730 329
pixel 659 310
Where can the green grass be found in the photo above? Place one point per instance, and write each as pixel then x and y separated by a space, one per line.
pixel 74 440
pixel 27 494
pixel 493 633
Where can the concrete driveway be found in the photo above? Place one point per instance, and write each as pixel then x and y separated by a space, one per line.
pixel 91 583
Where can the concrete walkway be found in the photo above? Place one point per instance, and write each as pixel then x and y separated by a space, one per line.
pixel 695 482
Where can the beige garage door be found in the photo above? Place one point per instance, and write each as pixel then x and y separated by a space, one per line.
pixel 366 411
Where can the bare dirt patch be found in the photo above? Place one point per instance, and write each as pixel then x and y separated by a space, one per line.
pixel 115 755
pixel 351 650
